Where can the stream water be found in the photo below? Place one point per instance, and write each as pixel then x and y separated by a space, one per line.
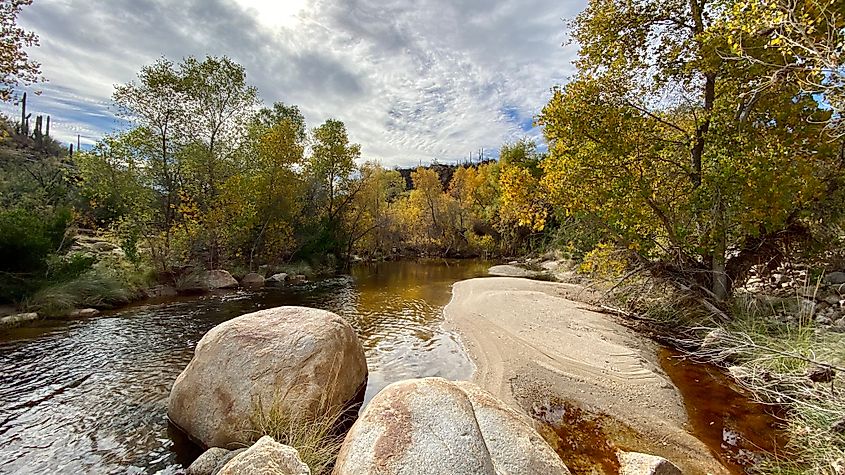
pixel 90 396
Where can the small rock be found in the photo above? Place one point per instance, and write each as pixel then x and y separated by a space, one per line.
pixel 84 313
pixel 226 459
pixel 832 299
pixel 266 457
pixel 161 291
pixel 838 427
pixel 207 462
pixel 821 374
pixel 253 281
pixel 835 278
pixel 823 320
pixel 298 279
pixel 634 463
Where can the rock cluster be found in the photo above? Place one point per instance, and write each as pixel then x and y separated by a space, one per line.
pixel 795 296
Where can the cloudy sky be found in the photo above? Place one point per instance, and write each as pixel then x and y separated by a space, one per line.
pixel 413 80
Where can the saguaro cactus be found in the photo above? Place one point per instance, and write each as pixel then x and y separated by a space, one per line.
pixel 24 117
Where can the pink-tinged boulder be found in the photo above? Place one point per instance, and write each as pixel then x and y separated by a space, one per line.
pixel 436 426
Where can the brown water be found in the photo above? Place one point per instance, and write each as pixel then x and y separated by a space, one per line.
pixel 737 430
pixel 90 396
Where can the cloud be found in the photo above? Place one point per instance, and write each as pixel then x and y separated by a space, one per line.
pixel 413 81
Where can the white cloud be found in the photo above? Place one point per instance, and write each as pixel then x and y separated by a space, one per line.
pixel 413 80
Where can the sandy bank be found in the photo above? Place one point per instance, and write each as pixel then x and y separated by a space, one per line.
pixel 532 342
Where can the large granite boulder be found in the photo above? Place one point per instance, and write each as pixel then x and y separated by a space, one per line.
pixel 436 426
pixel 266 457
pixel 294 359
pixel 219 279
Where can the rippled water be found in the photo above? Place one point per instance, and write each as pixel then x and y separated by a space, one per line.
pixel 90 396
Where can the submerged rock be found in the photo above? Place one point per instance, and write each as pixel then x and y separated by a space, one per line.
pixel 266 457
pixel 633 463
pixel 84 313
pixel 294 357
pixel 433 425
pixel 253 281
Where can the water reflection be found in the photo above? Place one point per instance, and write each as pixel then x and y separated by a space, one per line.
pixel 91 395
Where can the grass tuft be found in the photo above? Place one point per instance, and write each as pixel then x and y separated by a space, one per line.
pixel 315 435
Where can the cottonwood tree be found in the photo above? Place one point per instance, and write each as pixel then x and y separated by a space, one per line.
pixel 646 143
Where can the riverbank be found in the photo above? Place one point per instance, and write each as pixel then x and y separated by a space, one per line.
pixel 536 344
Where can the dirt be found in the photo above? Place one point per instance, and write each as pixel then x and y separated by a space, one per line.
pixel 533 342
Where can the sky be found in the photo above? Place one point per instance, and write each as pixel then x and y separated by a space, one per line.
pixel 414 81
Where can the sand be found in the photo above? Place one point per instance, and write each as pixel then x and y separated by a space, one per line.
pixel 532 341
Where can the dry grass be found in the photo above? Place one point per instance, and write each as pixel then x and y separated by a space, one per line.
pixel 774 361
pixel 316 436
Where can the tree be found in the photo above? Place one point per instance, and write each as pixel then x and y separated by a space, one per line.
pixel 15 66
pixel 157 104
pixel 219 103
pixel 647 143
pixel 332 163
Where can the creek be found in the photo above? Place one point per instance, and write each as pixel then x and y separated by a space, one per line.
pixel 90 396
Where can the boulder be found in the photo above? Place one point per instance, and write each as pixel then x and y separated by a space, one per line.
pixel 436 426
pixel 835 278
pixel 208 462
pixel 266 457
pixel 302 358
pixel 633 463
pixel 277 279
pixel 84 313
pixel 210 280
pixel 253 281
pixel 219 279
